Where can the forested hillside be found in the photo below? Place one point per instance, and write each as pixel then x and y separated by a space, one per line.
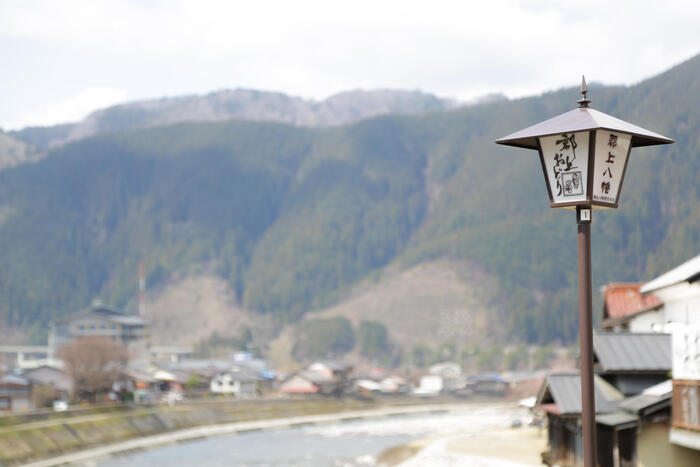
pixel 292 217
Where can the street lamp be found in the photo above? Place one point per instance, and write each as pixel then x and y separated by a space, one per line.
pixel 584 155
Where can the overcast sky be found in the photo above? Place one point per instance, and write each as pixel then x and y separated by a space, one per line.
pixel 62 59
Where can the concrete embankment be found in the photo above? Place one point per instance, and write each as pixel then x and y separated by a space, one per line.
pixel 103 434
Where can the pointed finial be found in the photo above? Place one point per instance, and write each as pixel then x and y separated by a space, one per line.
pixel 584 89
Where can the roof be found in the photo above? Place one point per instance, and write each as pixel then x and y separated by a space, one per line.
pixel 14 380
pixel 581 119
pixel 617 420
pixel 107 313
pixel 242 376
pixel 686 272
pixel 564 389
pixel 333 365
pixel 654 397
pixel 312 376
pixel 138 375
pixel 627 351
pixel 624 299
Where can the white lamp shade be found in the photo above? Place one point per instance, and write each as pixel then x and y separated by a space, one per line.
pixel 584 168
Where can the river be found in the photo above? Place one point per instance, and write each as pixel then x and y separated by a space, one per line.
pixel 355 443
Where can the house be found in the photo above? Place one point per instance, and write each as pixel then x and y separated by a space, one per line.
pixel 679 290
pixel 98 321
pixel 169 353
pixel 451 374
pixel 305 382
pixel 15 393
pixel 238 382
pixel 653 409
pixel 394 384
pixel 46 375
pixel 332 369
pixel 24 357
pixel 626 308
pixel 560 398
pixel 430 385
pixel 334 376
pixel 491 384
pixel 629 432
pixel 632 362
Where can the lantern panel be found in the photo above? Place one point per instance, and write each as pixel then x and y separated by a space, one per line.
pixel 565 158
pixel 611 153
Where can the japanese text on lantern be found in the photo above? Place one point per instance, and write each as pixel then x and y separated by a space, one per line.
pixel 611 154
pixel 566 158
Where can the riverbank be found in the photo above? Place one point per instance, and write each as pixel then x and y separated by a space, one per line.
pixel 74 439
pixel 496 447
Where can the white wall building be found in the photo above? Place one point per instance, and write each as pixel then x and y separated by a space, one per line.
pixel 679 290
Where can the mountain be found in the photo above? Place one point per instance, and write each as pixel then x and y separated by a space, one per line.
pixel 14 151
pixel 294 218
pixel 239 104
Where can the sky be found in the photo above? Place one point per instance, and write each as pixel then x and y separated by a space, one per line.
pixel 60 60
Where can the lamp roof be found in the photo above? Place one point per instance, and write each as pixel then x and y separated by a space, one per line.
pixel 581 119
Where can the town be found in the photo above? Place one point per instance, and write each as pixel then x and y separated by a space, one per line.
pixel 101 357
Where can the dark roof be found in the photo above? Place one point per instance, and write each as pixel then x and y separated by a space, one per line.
pixel 650 400
pixel 628 351
pixel 642 402
pixel 107 313
pixel 581 119
pixel 564 389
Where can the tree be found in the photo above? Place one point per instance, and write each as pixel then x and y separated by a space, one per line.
pixel 94 363
pixel 373 338
pixel 323 338
pixel 420 355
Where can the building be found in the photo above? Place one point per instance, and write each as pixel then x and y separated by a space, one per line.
pixel 238 382
pixel 653 410
pixel 632 362
pixel 98 321
pixel 451 374
pixel 305 382
pixel 679 290
pixel 53 377
pixel 626 308
pixel 560 398
pixel 15 393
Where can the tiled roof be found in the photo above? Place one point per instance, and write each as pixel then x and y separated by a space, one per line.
pixel 632 351
pixel 623 299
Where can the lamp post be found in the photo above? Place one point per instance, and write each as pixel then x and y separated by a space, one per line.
pixel 584 155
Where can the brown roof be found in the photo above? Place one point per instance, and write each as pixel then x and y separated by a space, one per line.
pixel 624 299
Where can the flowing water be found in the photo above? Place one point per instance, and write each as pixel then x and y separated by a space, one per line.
pixel 356 443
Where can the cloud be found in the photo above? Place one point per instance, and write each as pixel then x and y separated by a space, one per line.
pixel 315 48
pixel 72 109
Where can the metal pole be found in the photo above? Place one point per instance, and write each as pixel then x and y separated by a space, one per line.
pixel 583 218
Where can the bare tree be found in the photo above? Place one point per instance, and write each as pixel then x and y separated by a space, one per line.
pixel 94 363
